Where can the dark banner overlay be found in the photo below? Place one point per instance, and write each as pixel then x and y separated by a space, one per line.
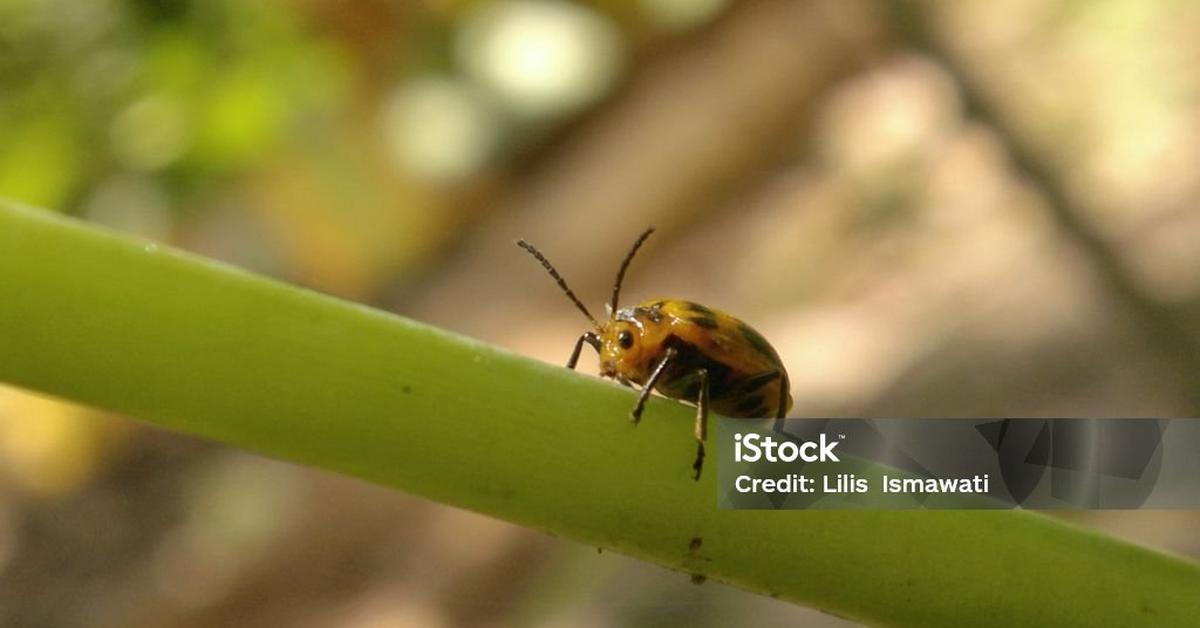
pixel 959 463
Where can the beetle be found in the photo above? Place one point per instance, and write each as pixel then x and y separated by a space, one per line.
pixel 685 351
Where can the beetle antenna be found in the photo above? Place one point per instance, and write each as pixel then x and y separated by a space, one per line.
pixel 624 265
pixel 562 283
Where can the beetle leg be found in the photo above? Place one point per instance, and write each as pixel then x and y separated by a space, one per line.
pixel 636 415
pixel 701 429
pixel 589 337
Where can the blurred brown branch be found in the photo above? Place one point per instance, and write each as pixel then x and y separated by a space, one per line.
pixel 688 128
pixel 1163 327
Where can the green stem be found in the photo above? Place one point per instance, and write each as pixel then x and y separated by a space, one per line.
pixel 205 349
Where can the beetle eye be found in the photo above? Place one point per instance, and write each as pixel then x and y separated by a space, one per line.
pixel 625 339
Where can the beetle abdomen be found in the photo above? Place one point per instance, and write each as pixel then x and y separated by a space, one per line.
pixel 733 391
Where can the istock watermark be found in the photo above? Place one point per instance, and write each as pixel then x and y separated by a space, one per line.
pixel 1067 463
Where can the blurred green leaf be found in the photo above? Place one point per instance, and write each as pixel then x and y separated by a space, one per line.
pixel 187 92
pixel 42 161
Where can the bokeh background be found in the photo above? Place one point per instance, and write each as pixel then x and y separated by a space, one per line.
pixel 931 208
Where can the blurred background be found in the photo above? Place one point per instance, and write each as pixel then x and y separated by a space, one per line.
pixel 968 209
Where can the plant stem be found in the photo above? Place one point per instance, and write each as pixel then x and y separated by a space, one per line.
pixel 202 348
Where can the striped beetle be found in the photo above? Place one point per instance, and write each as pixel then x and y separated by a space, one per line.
pixel 685 351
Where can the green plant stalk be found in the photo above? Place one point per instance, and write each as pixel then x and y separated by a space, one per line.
pixel 202 348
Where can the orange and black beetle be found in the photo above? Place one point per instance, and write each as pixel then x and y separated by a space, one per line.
pixel 683 350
